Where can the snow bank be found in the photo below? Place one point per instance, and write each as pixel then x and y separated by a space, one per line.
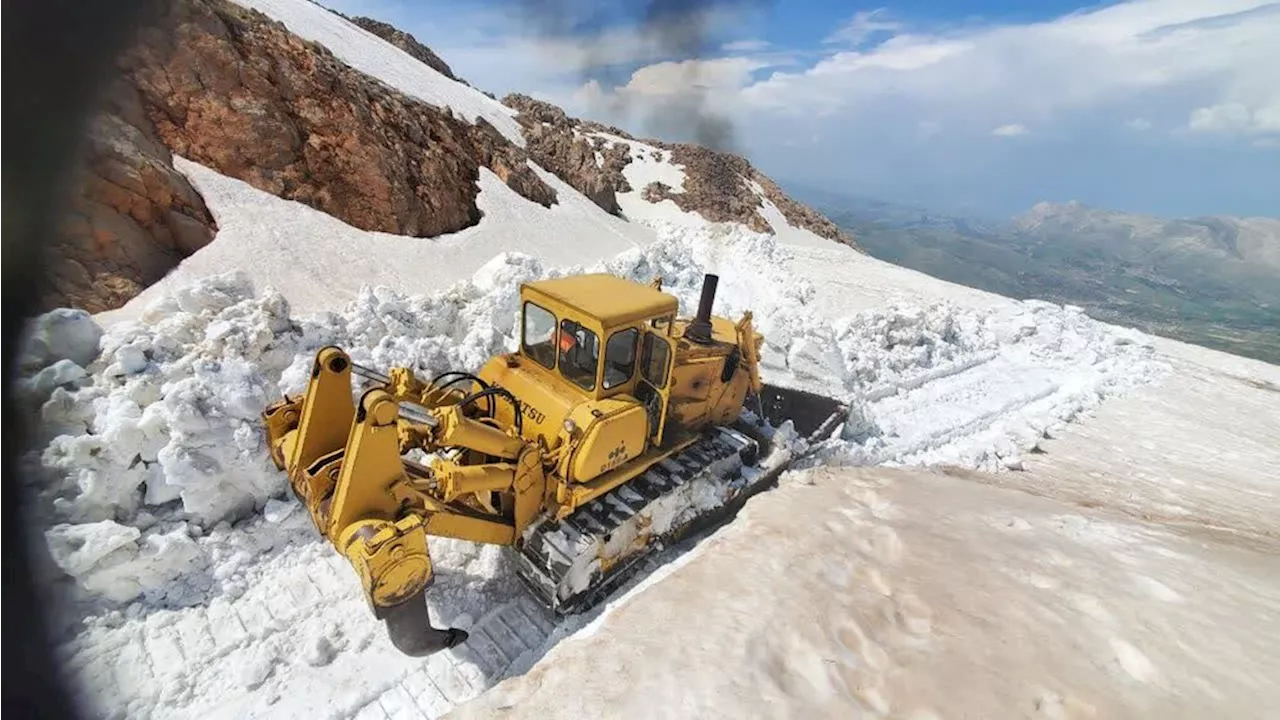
pixel 295 248
pixel 165 440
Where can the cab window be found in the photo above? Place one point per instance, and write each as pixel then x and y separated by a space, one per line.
pixel 653 360
pixel 620 357
pixel 579 354
pixel 539 329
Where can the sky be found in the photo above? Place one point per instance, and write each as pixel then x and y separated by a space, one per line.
pixel 1168 107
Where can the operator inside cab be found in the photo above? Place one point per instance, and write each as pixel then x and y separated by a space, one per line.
pixel 579 354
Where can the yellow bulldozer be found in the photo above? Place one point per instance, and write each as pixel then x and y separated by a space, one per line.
pixel 615 428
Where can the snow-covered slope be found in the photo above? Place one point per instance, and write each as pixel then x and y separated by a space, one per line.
pixel 319 263
pixel 369 54
pixel 1131 570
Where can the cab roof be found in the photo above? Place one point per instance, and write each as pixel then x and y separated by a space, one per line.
pixel 610 299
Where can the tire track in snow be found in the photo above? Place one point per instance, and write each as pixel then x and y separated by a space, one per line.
pixel 169 663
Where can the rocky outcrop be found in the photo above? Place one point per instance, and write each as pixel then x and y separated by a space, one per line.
pixel 797 213
pixel 407 43
pixel 233 90
pixel 717 186
pixel 131 218
pixel 593 168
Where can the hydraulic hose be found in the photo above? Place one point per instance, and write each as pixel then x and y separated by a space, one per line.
pixel 498 390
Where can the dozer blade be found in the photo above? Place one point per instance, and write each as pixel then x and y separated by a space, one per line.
pixel 814 416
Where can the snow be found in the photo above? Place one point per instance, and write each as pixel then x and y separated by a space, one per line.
pixel 369 54
pixel 164 445
pixel 881 592
pixel 319 263
pixel 200 590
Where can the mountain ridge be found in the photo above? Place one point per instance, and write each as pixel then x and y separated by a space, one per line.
pixel 1210 280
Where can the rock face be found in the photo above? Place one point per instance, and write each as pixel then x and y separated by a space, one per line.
pixel 231 89
pixel 717 186
pixel 407 43
pixel 554 143
pixel 131 215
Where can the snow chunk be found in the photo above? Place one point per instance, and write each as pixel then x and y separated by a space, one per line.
pixel 77 548
pixel 277 510
pixel 61 334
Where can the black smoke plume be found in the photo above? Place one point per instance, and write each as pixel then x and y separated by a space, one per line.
pixel 674 30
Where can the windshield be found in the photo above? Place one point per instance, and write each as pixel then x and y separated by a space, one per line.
pixel 539 326
pixel 620 357
pixel 579 354
pixel 653 362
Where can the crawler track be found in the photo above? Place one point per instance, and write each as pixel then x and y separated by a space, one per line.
pixel 573 564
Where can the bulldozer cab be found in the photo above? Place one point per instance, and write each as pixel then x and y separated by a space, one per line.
pixel 602 336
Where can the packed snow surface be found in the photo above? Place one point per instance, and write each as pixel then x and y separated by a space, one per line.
pixel 167 512
pixel 885 593
pixel 369 54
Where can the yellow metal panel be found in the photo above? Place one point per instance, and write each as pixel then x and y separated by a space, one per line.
pixel 612 431
pixel 466 527
pixel 390 558
pixel 327 411
pixel 695 380
pixel 545 397
pixel 370 466
pixel 607 298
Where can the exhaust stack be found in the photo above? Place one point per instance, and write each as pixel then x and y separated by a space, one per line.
pixel 699 330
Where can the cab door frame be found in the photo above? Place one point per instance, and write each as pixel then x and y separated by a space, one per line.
pixel 663 392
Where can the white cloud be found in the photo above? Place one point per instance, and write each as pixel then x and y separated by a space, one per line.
pixel 1010 130
pixel 1225 117
pixel 1139 124
pixel 674 78
pixel 862 26
pixel 1175 51
pixel 1236 118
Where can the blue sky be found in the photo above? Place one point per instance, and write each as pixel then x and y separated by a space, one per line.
pixel 1169 107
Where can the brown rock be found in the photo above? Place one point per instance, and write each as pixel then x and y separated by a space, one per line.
pixel 127 206
pixel 231 89
pixel 717 186
pixel 554 143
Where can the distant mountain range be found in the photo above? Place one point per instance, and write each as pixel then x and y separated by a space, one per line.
pixel 1213 281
